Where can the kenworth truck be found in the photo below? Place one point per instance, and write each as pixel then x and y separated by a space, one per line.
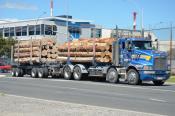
pixel 133 59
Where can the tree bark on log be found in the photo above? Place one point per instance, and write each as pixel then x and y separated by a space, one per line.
pixel 81 54
pixel 23 50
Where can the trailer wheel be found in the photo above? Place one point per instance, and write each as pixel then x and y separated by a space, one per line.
pixel 40 73
pixel 34 73
pixel 13 72
pixel 133 77
pixel 21 73
pixel 112 76
pixel 158 83
pixel 17 72
pixel 43 73
pixel 77 73
pixel 67 73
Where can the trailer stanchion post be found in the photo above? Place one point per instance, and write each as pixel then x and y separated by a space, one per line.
pixel 94 47
pixel 171 39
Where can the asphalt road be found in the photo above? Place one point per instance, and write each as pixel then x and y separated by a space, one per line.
pixel 146 98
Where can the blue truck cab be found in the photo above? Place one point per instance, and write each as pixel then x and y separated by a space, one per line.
pixel 142 62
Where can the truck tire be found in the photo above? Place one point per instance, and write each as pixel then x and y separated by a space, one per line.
pixel 112 76
pixel 158 83
pixel 77 74
pixel 42 72
pixel 34 73
pixel 21 73
pixel 67 73
pixel 133 77
pixel 13 72
pixel 17 72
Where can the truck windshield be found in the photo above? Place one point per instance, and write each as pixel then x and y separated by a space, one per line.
pixel 142 45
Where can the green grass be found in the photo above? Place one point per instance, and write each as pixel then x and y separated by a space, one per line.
pixel 172 79
pixel 2 94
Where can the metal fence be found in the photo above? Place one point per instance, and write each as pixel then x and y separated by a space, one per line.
pixel 165 37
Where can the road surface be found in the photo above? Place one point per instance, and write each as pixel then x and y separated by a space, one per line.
pixel 145 98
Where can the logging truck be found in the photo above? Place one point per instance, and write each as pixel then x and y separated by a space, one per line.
pixel 130 59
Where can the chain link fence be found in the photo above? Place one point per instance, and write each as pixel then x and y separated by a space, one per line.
pixel 165 37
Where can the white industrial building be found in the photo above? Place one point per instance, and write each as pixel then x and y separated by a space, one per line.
pixel 55 27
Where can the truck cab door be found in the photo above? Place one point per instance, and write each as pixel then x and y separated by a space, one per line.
pixel 127 53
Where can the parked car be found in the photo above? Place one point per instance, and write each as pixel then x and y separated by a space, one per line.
pixel 4 66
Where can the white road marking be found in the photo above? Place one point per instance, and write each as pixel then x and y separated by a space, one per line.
pixel 157 100
pixel 2 76
pixel 102 84
pixel 54 101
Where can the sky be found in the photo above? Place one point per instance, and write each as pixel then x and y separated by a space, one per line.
pixel 109 13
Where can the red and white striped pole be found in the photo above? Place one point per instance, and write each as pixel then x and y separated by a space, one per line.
pixel 51 8
pixel 134 24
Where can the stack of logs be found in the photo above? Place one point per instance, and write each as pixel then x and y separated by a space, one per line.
pixel 46 50
pixel 82 50
pixel 39 50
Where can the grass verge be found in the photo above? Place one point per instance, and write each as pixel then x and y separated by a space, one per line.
pixel 172 79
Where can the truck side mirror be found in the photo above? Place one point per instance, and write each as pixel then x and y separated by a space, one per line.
pixel 157 44
pixel 129 47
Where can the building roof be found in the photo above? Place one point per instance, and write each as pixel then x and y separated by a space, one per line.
pixel 45 18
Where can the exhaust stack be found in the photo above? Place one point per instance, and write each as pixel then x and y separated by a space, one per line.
pixel 134 24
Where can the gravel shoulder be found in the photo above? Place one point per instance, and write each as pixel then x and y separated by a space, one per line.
pixel 12 105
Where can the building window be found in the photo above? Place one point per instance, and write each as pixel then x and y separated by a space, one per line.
pixel 42 29
pixel 48 30
pixel 38 30
pixel 24 31
pixel 98 33
pixel 18 31
pixel 31 30
pixel 1 31
pixel 54 29
pixel 74 32
pixel 6 32
pixel 12 33
pixel 95 33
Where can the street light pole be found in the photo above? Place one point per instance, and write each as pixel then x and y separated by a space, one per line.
pixel 142 27
pixel 67 34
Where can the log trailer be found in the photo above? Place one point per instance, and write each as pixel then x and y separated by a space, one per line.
pixel 133 59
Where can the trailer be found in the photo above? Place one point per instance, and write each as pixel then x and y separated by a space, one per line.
pixel 131 59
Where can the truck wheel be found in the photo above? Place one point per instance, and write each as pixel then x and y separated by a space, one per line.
pixel 77 73
pixel 43 73
pixel 40 73
pixel 67 73
pixel 21 73
pixel 158 83
pixel 112 76
pixel 17 72
pixel 34 73
pixel 13 72
pixel 133 77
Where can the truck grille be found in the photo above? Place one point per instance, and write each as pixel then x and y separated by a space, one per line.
pixel 160 64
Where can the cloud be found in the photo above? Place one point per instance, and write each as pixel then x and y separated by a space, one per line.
pixel 19 6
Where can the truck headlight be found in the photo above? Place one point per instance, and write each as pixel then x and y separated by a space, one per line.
pixel 147 68
pixel 149 72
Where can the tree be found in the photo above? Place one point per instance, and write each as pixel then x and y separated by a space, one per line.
pixel 5 46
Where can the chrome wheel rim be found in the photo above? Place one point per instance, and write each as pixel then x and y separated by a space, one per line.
pixel 112 76
pixel 132 77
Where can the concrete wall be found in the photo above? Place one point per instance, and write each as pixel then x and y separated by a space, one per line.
pixel 85 33
pixel 61 34
pixel 106 33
